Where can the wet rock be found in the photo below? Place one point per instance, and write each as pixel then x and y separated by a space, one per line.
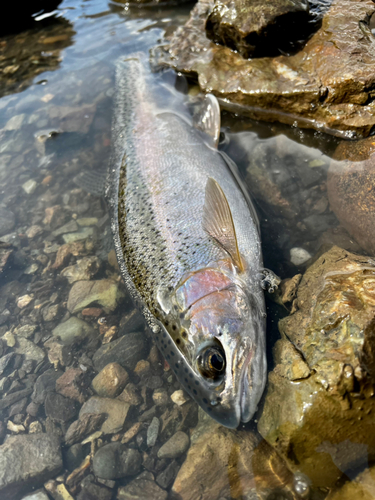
pixel 65 251
pixel 5 361
pixel 26 462
pixel 114 461
pixel 175 446
pixel 332 335
pixel 110 381
pixel 7 221
pixel 87 424
pixel 350 174
pixel 299 256
pixel 105 292
pixel 255 28
pixel 6 250
pixel 72 119
pixel 361 488
pixel 115 410
pixel 160 397
pixel 69 227
pixel 54 217
pixel 59 408
pixel 25 331
pixel 29 350
pixel 82 234
pixel 29 186
pixel 84 269
pixel 131 395
pixel 13 398
pixel 72 331
pixel 126 351
pixel 165 478
pixel 179 397
pixel 45 383
pixel 211 468
pixel 313 87
pixel 57 491
pixel 141 489
pixel 91 491
pixel 24 301
pixel 153 432
pixel 73 384
pixel 37 495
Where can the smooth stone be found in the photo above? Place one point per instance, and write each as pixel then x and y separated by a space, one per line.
pixel 91 491
pixel 126 351
pixel 114 461
pixel 141 489
pixel 13 398
pixel 299 256
pixel 83 234
pixel 29 186
pixel 69 227
pixel 26 462
pixel 153 432
pixel 331 335
pixel 175 446
pixel 74 456
pixel 38 495
pixel 179 397
pixel 72 331
pixel 5 360
pixel 7 221
pixel 25 331
pixel 87 221
pixel 59 408
pixel 106 292
pixel 165 478
pixel 110 381
pixel 350 174
pixel 115 409
pixel 45 383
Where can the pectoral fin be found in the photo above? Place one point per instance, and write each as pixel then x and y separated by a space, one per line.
pixel 218 221
pixel 208 120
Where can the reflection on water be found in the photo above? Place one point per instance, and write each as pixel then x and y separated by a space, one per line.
pixel 88 408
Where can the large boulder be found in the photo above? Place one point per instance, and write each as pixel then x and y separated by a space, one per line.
pixel 319 406
pixel 328 85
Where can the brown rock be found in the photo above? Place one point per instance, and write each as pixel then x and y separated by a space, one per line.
pixel 115 410
pixel 361 488
pixel 85 269
pixel 351 178
pixel 255 27
pixel 65 251
pixel 55 217
pixel 332 333
pixel 327 85
pixel 110 381
pixel 105 292
pixel 86 425
pixel 73 384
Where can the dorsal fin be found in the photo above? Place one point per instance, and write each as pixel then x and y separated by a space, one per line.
pixel 218 221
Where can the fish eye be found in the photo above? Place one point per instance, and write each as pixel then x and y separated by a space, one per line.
pixel 211 362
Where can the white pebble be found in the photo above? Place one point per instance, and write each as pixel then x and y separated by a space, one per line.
pixel 179 397
pixel 29 186
pixel 299 256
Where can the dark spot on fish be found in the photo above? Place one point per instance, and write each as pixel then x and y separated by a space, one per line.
pixel 195 392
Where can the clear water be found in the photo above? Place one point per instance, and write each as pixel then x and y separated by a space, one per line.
pixel 56 90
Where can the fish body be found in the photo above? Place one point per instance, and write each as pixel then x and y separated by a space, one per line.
pixel 188 247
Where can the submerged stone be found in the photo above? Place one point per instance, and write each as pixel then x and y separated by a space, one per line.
pixel 255 27
pixel 107 293
pixel 350 179
pixel 328 85
pixel 318 410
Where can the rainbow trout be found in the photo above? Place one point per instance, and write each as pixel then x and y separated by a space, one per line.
pixel 188 245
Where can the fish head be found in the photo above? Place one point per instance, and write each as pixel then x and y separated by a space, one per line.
pixel 224 346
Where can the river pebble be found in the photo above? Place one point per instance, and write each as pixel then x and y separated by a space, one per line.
pixel 175 446
pixel 114 461
pixel 153 432
pixel 110 381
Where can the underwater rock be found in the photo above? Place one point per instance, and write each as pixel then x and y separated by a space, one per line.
pixel 87 424
pixel 328 85
pixel 105 292
pixel 142 488
pixel 110 381
pixel 115 410
pixel 319 406
pixel 72 331
pixel 361 488
pixel 227 463
pixel 84 269
pixel 126 351
pixel 351 177
pixel 115 460
pixel 7 221
pixel 26 462
pixel 256 28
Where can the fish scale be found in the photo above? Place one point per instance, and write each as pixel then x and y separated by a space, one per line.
pixel 156 192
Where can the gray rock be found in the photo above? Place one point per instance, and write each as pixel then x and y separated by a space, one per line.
pixel 7 221
pixel 105 292
pixel 72 331
pixel 126 351
pixel 175 446
pixel 115 410
pixel 12 398
pixel 91 491
pixel 45 383
pixel 29 350
pixel 74 456
pixel 59 408
pixel 153 432
pixel 84 269
pixel 114 461
pixel 37 495
pixel 27 461
pixel 141 489
pixel 165 478
pixel 5 360
pixel 86 425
